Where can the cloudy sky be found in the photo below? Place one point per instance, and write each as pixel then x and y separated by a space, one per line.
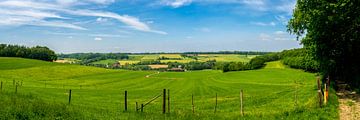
pixel 69 26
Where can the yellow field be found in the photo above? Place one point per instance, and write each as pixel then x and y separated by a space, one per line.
pixel 158 66
pixel 150 57
pixel 179 61
pixel 223 57
pixel 67 60
pixel 123 62
pixel 171 55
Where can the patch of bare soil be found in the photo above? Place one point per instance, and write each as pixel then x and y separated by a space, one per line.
pixel 349 101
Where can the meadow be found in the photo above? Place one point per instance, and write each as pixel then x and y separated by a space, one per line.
pixel 274 92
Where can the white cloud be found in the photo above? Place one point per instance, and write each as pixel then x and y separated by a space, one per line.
pixel 282 19
pixel 108 35
pixel 88 34
pixel 276 36
pixel 100 19
pixel 79 2
pixel 264 37
pixel 175 3
pixel 263 24
pixel 259 5
pixel 56 24
pixel 101 1
pixel 287 7
pixel 36 13
pixel 98 39
pixel 254 2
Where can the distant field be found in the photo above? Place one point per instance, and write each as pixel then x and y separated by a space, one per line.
pixel 123 62
pixel 224 57
pixel 158 66
pixel 133 59
pixel 184 60
pixel 97 93
pixel 108 61
pixel 170 55
pixel 150 57
pixel 67 60
pixel 136 57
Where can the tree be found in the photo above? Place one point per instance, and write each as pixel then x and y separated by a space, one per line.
pixel 331 34
pixel 38 52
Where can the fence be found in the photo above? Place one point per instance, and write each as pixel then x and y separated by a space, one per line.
pixel 322 94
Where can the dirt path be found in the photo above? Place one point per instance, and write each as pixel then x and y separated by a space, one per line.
pixel 349 107
pixel 147 76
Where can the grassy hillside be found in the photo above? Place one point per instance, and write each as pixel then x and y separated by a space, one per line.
pixel 98 93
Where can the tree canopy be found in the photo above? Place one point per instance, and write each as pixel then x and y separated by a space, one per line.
pixel 37 52
pixel 330 31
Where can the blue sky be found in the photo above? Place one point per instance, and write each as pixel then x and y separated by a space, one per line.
pixel 69 26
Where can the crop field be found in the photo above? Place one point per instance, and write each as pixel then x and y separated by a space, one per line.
pixel 107 61
pixel 170 55
pixel 158 66
pixel 150 57
pixel 224 57
pixel 269 93
pixel 123 62
pixel 67 60
pixel 133 59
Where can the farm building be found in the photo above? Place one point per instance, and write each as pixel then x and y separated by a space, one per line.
pixel 117 64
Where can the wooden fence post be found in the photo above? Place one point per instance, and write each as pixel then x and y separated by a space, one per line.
pixel 319 91
pixel 296 95
pixel 215 103
pixel 168 100
pixel 241 103
pixel 192 102
pixel 320 98
pixel 136 106
pixel 125 100
pixel 16 87
pixel 142 107
pixel 69 96
pixel 164 102
pixel 328 87
pixel 325 92
pixel 318 83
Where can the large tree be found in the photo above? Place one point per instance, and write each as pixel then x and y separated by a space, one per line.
pixel 330 31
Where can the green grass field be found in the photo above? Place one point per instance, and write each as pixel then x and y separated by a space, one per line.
pixel 98 93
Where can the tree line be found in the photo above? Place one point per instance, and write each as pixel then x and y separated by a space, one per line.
pixel 295 58
pixel 87 58
pixel 330 33
pixel 37 52
pixel 299 59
